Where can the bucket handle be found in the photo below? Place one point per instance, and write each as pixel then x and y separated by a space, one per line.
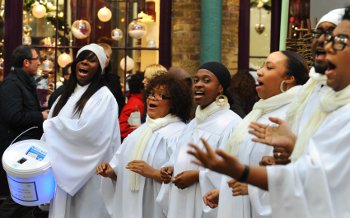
pixel 33 127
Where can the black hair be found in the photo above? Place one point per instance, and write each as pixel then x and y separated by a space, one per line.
pixel 135 83
pixel 96 83
pixel 243 85
pixel 346 15
pixel 297 67
pixel 21 53
pixel 179 92
pixel 65 70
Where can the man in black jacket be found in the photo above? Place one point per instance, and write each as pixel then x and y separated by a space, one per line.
pixel 19 106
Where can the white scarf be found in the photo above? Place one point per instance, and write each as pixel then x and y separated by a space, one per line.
pixel 297 106
pixel 151 126
pixel 329 102
pixel 203 114
pixel 260 108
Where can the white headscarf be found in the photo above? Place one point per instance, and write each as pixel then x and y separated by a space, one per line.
pixel 334 16
pixel 98 51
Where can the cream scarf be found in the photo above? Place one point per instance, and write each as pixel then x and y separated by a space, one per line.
pixel 297 106
pixel 203 114
pixel 260 108
pixel 329 102
pixel 151 126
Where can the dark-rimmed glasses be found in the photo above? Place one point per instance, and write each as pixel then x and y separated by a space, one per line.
pixel 33 59
pixel 339 42
pixel 317 33
pixel 157 97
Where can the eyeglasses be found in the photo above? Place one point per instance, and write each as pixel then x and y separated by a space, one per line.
pixel 157 97
pixel 37 58
pixel 317 33
pixel 339 42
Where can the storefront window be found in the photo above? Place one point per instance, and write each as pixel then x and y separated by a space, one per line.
pixel 58 28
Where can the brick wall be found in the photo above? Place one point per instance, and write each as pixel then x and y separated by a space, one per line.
pixel 186 34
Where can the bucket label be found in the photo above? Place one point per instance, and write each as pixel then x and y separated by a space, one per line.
pixel 23 191
pixel 36 153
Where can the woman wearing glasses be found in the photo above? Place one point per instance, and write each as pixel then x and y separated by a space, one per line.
pixel 136 164
pixel 213 121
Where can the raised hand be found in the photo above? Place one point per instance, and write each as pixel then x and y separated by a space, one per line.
pixel 105 170
pixel 211 198
pixel 279 136
pixel 219 160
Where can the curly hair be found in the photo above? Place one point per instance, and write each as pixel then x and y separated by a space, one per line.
pixel 179 92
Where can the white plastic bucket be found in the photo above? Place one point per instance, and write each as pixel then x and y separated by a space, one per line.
pixel 29 173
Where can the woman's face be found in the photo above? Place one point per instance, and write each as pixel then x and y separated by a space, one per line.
pixel 86 69
pixel 338 76
pixel 271 75
pixel 206 88
pixel 158 102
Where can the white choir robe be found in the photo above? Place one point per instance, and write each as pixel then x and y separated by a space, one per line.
pixel 256 204
pixel 188 203
pixel 76 145
pixel 142 203
pixel 317 184
pixel 312 103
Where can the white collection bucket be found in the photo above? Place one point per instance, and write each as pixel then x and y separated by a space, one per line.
pixel 29 173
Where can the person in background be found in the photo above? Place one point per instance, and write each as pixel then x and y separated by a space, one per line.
pixel 82 131
pixel 66 71
pixel 152 71
pixel 214 120
pixel 19 112
pixel 136 165
pixel 134 104
pixel 243 86
pixel 112 79
pixel 182 74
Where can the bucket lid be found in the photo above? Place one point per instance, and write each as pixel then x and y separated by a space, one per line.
pixel 26 158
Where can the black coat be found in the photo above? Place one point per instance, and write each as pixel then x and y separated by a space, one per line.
pixel 19 110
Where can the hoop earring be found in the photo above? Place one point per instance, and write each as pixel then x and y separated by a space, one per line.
pixel 221 100
pixel 282 86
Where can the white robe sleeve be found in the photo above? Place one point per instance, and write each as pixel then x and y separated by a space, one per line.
pixel 77 145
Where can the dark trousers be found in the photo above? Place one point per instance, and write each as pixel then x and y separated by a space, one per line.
pixel 10 209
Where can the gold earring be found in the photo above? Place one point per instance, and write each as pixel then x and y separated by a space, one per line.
pixel 221 100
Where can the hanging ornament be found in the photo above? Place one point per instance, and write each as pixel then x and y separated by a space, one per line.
pixel 64 59
pixel 104 14
pixel 39 11
pixel 81 29
pixel 136 29
pixel 117 34
pixel 129 63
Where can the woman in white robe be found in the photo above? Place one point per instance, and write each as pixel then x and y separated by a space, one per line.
pixel 316 185
pixel 136 165
pixel 213 121
pixel 82 130
pixel 279 80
